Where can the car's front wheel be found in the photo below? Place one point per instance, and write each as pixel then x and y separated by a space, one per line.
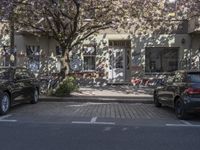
pixel 35 96
pixel 4 103
pixel 180 110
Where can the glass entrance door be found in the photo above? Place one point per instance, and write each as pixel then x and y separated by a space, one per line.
pixel 119 61
pixel 117 65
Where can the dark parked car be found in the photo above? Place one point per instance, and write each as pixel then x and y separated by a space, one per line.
pixel 17 85
pixel 180 91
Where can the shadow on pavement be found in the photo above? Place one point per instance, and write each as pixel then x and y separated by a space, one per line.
pixel 115 90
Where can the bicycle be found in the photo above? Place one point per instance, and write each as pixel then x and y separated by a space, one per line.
pixel 48 83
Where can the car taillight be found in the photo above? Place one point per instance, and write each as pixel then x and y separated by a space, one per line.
pixel 192 91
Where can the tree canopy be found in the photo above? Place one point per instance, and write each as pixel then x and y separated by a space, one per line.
pixel 68 21
pixel 71 21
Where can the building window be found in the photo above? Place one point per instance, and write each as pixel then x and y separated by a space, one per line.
pixel 159 59
pixel 58 50
pixel 89 58
pixel 89 62
pixel 33 54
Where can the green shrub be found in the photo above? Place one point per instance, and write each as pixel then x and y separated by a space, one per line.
pixel 67 86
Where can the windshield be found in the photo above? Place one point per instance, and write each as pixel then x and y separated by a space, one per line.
pixel 4 74
pixel 194 77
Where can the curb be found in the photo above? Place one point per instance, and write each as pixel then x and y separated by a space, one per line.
pixel 100 99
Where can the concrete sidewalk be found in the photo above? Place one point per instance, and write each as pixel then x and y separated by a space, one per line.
pixel 107 94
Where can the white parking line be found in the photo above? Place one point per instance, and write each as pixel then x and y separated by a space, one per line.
pixel 185 124
pixel 2 119
pixel 93 121
pixel 181 125
pixel 6 116
pixel 107 129
pixel 100 123
pixel 8 120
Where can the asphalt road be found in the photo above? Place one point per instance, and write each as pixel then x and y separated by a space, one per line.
pixel 19 136
pixel 89 126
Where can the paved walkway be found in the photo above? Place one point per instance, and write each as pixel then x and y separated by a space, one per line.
pixel 110 93
pixel 114 91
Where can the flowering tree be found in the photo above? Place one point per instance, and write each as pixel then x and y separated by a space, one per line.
pixel 3 24
pixel 154 16
pixel 70 22
pixel 7 27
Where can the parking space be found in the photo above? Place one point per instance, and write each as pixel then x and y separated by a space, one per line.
pixel 96 113
pixel 101 110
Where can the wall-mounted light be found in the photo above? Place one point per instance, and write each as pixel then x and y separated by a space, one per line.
pixel 183 41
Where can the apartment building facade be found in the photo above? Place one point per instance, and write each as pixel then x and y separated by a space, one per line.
pixel 115 57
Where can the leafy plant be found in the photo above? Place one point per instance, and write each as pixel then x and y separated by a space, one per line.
pixel 67 86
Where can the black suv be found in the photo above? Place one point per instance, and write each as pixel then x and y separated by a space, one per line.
pixel 180 91
pixel 17 85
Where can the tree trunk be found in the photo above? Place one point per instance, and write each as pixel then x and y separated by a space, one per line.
pixel 65 64
pixel 12 47
pixel 12 40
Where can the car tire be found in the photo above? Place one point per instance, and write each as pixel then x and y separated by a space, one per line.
pixel 35 97
pixel 156 101
pixel 180 110
pixel 4 103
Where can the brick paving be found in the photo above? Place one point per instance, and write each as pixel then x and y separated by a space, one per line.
pixel 100 110
pixel 122 111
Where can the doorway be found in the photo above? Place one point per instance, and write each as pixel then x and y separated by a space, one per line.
pixel 119 61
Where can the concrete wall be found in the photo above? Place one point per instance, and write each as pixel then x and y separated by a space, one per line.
pixel 181 41
pixel 47 51
pixel 139 43
pixel 194 24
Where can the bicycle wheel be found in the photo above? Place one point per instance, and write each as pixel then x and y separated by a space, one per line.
pixel 43 87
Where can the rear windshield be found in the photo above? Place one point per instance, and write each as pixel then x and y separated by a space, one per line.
pixel 4 74
pixel 194 77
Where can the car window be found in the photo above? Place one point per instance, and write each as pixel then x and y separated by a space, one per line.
pixel 21 74
pixel 4 74
pixel 193 77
